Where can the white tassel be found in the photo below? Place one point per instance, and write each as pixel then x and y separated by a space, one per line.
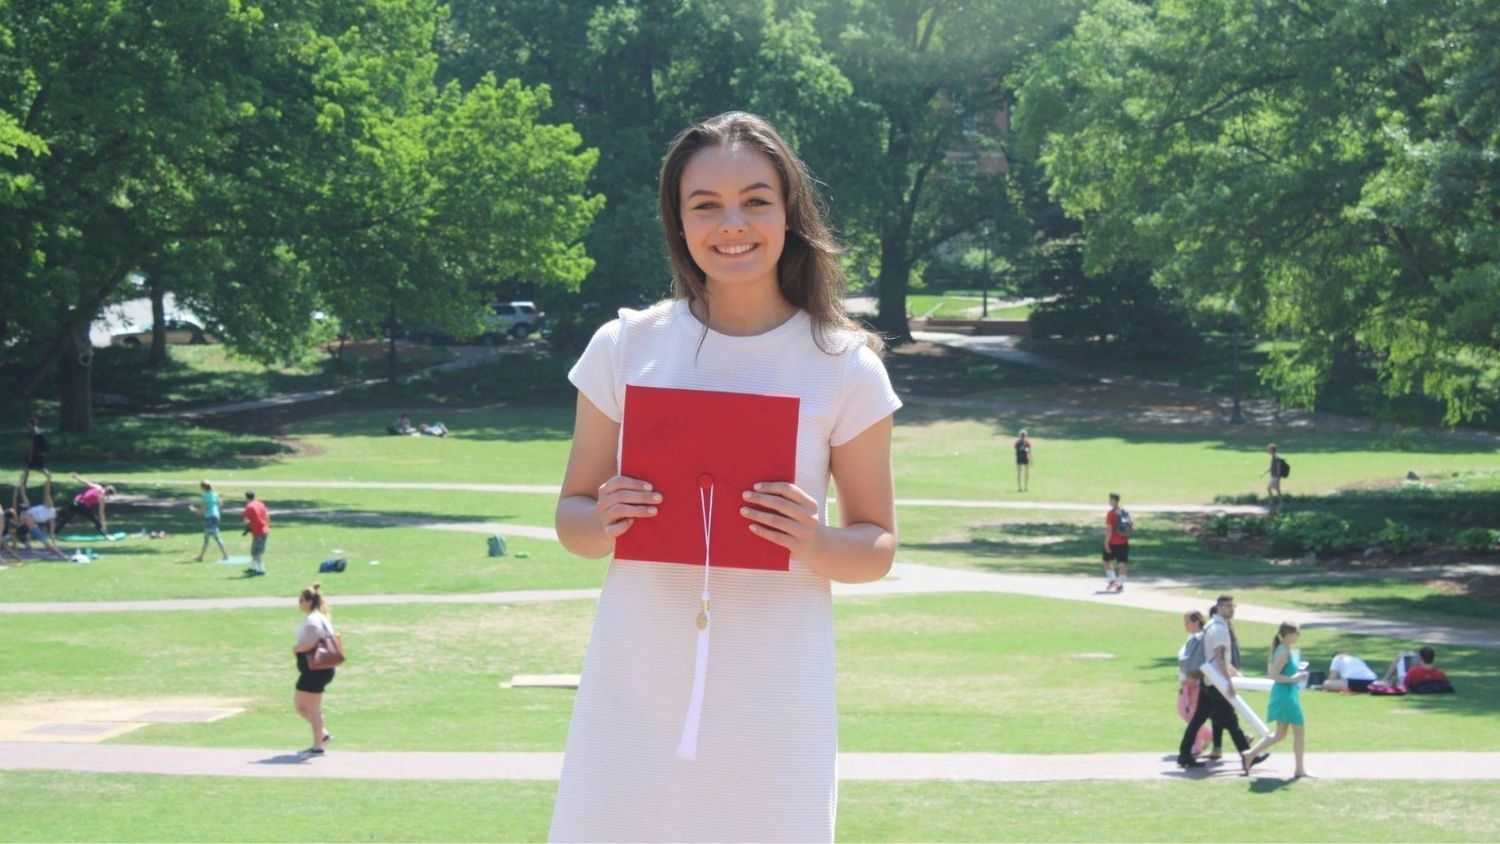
pixel 687 747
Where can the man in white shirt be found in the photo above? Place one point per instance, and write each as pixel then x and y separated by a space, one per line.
pixel 1348 673
pixel 1213 702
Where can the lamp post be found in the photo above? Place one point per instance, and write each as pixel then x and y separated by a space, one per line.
pixel 1235 417
pixel 984 310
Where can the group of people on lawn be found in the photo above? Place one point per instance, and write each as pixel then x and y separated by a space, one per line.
pixel 26 522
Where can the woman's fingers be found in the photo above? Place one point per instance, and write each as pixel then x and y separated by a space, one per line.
pixel 621 500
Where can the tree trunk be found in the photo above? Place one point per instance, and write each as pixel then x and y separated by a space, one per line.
pixel 75 382
pixel 158 356
pixel 895 270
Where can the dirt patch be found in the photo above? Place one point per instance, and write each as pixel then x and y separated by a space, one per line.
pixel 109 709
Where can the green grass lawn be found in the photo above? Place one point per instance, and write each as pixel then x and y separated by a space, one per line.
pixel 112 807
pixel 964 672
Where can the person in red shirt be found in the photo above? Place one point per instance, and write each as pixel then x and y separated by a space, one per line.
pixel 90 503
pixel 258 525
pixel 1116 544
pixel 1425 671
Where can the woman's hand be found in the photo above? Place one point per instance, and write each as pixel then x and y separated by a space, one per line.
pixel 782 513
pixel 621 501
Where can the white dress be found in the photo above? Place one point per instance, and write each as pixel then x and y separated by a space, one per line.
pixel 768 741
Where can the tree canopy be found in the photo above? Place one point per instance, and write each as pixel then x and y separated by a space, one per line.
pixel 271 160
pixel 1329 168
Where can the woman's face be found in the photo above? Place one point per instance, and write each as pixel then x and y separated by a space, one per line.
pixel 1291 638
pixel 733 215
pixel 1189 624
pixel 304 605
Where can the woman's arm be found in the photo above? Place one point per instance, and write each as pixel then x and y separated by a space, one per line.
pixel 596 504
pixel 863 547
pixel 1278 661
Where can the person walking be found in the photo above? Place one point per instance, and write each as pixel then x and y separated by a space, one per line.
pixel 1213 702
pixel 258 525
pixel 210 510
pixel 1285 707
pixel 1275 471
pixel 36 451
pixel 653 753
pixel 1023 463
pixel 1190 658
pixel 316 625
pixel 1117 544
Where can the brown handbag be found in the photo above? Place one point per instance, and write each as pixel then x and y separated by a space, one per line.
pixel 328 653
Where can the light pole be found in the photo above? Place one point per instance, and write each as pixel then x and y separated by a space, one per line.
pixel 1235 417
pixel 984 310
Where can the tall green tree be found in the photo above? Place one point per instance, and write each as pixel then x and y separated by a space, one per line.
pixel 1331 168
pixel 267 161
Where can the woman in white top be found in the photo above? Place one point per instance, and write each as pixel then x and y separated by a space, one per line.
pixel 311 683
pixel 757 309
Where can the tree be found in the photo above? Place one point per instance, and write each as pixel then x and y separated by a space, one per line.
pixel 1327 167
pixel 266 162
pixel 932 78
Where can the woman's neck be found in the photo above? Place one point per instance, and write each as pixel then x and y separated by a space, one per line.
pixel 744 315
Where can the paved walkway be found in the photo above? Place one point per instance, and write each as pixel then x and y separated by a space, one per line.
pixel 887 767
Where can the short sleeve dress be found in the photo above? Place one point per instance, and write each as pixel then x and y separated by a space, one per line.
pixel 1285 704
pixel 768 740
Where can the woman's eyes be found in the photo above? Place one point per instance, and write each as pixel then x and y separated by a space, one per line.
pixel 710 205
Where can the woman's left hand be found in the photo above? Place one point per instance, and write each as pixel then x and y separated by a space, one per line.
pixel 782 513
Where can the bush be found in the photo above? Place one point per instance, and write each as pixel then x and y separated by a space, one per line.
pixel 1477 539
pixel 1398 538
pixel 1320 533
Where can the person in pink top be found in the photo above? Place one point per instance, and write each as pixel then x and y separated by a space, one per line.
pixel 90 502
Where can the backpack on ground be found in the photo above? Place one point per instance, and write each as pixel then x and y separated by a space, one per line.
pixel 1283 468
pixel 1123 522
pixel 334 564
pixel 1193 658
pixel 497 545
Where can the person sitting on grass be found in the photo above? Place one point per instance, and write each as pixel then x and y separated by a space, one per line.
pixel 1348 673
pixel 1415 668
pixel 403 427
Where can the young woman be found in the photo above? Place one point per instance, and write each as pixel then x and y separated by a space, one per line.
pixel 1285 707
pixel 90 503
pixel 757 309
pixel 310 683
pixel 210 510
pixel 1190 681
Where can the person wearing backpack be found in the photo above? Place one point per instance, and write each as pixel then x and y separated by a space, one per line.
pixel 1277 470
pixel 1190 676
pixel 1117 544
pixel 36 452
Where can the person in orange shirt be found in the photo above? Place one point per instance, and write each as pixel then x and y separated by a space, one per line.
pixel 258 525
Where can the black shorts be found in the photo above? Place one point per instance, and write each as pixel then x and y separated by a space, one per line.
pixel 314 681
pixel 37 462
pixel 1117 553
pixel 1359 685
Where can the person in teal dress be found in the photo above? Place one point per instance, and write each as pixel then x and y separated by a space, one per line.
pixel 1285 707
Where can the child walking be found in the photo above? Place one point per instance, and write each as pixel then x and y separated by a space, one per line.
pixel 1285 707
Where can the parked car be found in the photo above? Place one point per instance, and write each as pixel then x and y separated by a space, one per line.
pixel 516 320
pixel 179 331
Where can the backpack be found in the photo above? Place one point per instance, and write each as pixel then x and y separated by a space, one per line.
pixel 334 564
pixel 1283 468
pixel 1193 659
pixel 1123 522
pixel 497 545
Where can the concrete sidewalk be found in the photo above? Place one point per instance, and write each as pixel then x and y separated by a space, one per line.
pixel 885 767
pixel 1145 593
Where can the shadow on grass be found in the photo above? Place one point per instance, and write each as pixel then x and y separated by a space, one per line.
pixel 1083 413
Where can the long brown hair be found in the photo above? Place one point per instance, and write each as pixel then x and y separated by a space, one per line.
pixel 1287 628
pixel 809 274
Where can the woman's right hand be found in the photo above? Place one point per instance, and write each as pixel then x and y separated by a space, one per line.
pixel 621 501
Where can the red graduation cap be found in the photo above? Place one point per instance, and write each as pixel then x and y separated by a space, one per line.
pixel 681 441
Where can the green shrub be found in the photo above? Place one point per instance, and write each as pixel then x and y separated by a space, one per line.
pixel 1398 538
pixel 1477 539
pixel 1320 533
